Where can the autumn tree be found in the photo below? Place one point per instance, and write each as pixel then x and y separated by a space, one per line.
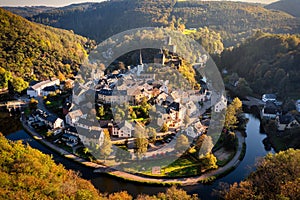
pixel 237 104
pixel 164 127
pixel 276 177
pixel 19 84
pixel 141 140
pixel 61 76
pixel 232 112
pixel 26 173
pixel 152 134
pixel 101 111
pixel 106 148
pixel 174 193
pixel 242 88
pixel 208 161
pixel 123 195
pixel 68 85
pixel 206 146
pixel 182 143
pixel 187 119
pixel 5 76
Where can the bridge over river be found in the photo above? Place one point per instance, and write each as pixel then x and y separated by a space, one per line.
pixel 13 105
pixel 252 101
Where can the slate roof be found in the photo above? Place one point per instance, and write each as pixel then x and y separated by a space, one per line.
pixel 51 118
pixel 286 119
pixel 112 92
pixel 71 129
pixel 271 108
pixel 89 134
pixel 50 89
pixel 174 106
pixel 86 122
pixel 125 124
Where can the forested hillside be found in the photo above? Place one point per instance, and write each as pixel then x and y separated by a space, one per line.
pixel 26 173
pixel 28 11
pixel 31 51
pixel 276 177
pixel 102 20
pixel 269 62
pixel 289 6
pixel 234 20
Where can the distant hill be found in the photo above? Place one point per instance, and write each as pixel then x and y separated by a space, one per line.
pixel 269 62
pixel 289 6
pixel 28 11
pixel 102 20
pixel 34 51
pixel 234 20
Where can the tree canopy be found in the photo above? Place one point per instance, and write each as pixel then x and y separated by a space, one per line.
pixel 234 20
pixel 26 173
pixel 268 62
pixel 276 177
pixel 30 51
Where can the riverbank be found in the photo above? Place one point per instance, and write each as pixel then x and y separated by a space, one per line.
pixel 58 150
pixel 208 177
pixel 188 181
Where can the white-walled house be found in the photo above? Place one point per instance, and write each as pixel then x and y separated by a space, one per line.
pixel 113 96
pixel 125 129
pixel 286 122
pixel 73 116
pixel 268 97
pixel 89 137
pixel 221 105
pixel 270 110
pixel 37 89
pixel 54 122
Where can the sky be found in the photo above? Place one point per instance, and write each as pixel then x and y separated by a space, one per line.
pixel 58 3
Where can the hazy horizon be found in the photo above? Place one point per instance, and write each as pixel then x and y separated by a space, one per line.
pixel 59 3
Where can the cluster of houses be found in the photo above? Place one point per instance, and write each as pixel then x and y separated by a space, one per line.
pixel 171 106
pixel 41 118
pixel 272 110
pixel 44 88
pixel 117 88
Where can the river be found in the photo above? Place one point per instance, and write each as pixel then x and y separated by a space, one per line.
pixel 255 150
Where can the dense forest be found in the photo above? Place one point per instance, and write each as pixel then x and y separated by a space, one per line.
pixel 26 173
pixel 235 21
pixel 102 20
pixel 289 6
pixel 276 177
pixel 270 63
pixel 30 51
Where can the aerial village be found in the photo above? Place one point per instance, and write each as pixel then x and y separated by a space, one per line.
pixel 121 102
pixel 142 97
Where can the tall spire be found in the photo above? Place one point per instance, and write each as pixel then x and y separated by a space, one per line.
pixel 141 59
